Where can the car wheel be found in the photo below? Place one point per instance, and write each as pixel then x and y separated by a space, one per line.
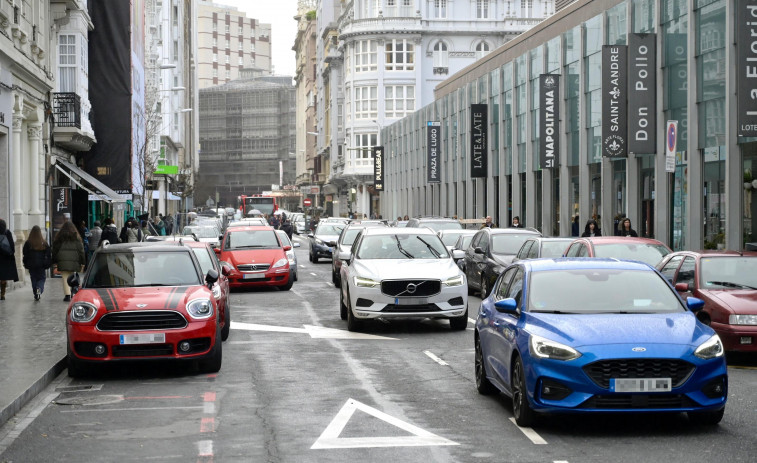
pixel 342 306
pixel 459 323
pixel 335 279
pixel 353 324
pixel 287 286
pixel 76 368
pixel 706 418
pixel 227 322
pixel 524 415
pixel 310 256
pixel 314 259
pixel 483 385
pixel 484 287
pixel 213 363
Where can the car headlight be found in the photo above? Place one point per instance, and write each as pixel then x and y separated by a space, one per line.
pixel 742 319
pixel 216 292
pixel 200 308
pixel 710 349
pixel 547 349
pixel 83 312
pixel 281 262
pixel 290 257
pixel 361 282
pixel 318 241
pixel 454 281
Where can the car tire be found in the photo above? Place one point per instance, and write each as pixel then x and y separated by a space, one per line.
pixel 76 368
pixel 213 363
pixel 459 323
pixel 483 385
pixel 287 286
pixel 227 321
pixel 342 306
pixel 310 256
pixel 353 324
pixel 706 418
pixel 314 259
pixel 335 279
pixel 523 414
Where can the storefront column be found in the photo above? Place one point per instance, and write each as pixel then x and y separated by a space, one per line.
pixel 17 157
pixel 608 197
pixel 36 179
pixel 695 179
pixel 734 160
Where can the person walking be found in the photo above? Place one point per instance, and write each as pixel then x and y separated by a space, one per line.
pixel 287 227
pixel 591 229
pixel 84 233
pixel 160 227
pixel 68 254
pixel 626 229
pixel 110 233
pixel 516 222
pixel 8 271
pixel 38 257
pixel 488 222
pixel 133 233
pixel 94 238
pixel 574 227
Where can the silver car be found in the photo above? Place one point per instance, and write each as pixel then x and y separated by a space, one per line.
pixel 401 273
pixel 291 256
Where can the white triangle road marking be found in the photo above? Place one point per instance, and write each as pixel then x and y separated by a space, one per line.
pixel 330 437
pixel 315 332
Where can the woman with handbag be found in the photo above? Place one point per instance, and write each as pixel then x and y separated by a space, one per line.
pixel 38 257
pixel 68 254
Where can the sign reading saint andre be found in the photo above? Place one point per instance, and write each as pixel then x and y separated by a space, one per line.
pixel 614 104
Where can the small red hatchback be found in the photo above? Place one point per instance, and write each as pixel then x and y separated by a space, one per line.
pixel 644 250
pixel 257 258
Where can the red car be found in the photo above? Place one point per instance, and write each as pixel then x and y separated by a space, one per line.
pixel 143 301
pixel 727 283
pixel 257 258
pixel 644 250
pixel 208 260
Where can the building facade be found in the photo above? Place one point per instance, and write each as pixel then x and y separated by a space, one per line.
pixel 305 81
pixel 703 197
pixel 228 41
pixel 247 134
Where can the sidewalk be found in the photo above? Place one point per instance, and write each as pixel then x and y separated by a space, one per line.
pixel 32 344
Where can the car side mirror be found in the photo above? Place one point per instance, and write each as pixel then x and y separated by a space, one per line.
pixel 218 249
pixel 507 306
pixel 226 269
pixel 478 251
pixel 458 254
pixel 287 248
pixel 694 303
pixel 73 282
pixel 211 277
pixel 450 249
pixel 682 287
pixel 296 245
pixel 345 256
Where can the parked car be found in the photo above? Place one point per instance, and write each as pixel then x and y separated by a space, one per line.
pixel 490 251
pixel 401 273
pixel 644 250
pixel 435 223
pixel 449 236
pixel 143 301
pixel 538 246
pixel 257 256
pixel 248 222
pixel 597 336
pixel 323 240
pixel 727 282
pixel 285 241
pixel 205 233
pixel 344 244
pixel 458 249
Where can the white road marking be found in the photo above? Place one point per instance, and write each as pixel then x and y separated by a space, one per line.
pixel 330 284
pixel 470 320
pixel 561 461
pixel 209 408
pixel 313 274
pixel 435 358
pixel 330 439
pixel 136 409
pixel 205 448
pixel 315 332
pixel 531 434
pixel 302 266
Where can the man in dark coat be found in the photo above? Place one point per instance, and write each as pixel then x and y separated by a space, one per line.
pixel 8 271
pixel 109 233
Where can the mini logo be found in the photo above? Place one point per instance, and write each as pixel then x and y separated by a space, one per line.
pixel 411 287
pixel 141 306
pixel 639 349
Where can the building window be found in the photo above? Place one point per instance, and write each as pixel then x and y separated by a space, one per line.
pixel 215 57
pixel 228 59
pixel 400 55
pixel 482 49
pixel 241 30
pixel 176 121
pixel 228 74
pixel 366 102
pixel 227 29
pixel 527 8
pixel 440 9
pixel 215 26
pixel 363 144
pixel 67 62
pixel 482 9
pixel 365 56
pixel 227 43
pixel 84 55
pixel 215 41
pixel 241 61
pixel 441 57
pixel 215 72
pixel 399 100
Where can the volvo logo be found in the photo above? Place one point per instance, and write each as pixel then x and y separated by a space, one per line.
pixel 411 287
pixel 639 349
pixel 141 306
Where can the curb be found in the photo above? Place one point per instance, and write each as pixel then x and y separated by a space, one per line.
pixel 35 388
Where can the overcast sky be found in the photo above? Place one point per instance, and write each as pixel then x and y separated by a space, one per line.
pixel 279 14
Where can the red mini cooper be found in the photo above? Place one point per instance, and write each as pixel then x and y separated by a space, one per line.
pixel 143 301
pixel 257 256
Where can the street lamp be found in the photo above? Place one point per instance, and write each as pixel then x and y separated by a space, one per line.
pixel 378 138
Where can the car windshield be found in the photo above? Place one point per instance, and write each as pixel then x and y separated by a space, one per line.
pixel 201 232
pixel 449 237
pixel 436 226
pixel 250 239
pixel 597 291
pixel 203 256
pixel 735 272
pixel 350 235
pixel 464 242
pixel 554 248
pixel 127 269
pixel 329 229
pixel 402 246
pixel 508 243
pixel 648 253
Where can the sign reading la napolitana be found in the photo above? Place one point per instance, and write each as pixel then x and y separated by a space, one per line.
pixel 746 74
pixel 549 123
pixel 614 104
pixel 479 140
pixel 378 168
pixel 433 134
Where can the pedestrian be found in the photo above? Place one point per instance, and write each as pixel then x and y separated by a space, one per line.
pixel 488 222
pixel 287 227
pixel 38 257
pixel 616 223
pixel 124 234
pixel 574 230
pixel 591 229
pixel 169 225
pixel 110 233
pixel 626 229
pixel 8 271
pixel 406 217
pixel 516 222
pixel 94 238
pixel 68 254
pixel 160 227
pixel 133 234
pixel 145 229
pixel 84 233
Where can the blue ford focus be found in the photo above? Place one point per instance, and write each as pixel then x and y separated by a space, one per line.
pixel 597 335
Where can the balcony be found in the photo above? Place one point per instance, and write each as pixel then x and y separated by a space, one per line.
pixel 68 133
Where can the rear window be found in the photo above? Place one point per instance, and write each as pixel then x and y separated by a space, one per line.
pixel 127 269
pixel 650 254
pixel 250 239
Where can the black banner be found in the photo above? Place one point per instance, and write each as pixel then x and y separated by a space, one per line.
pixel 614 105
pixel 746 75
pixel 378 168
pixel 642 88
pixel 433 134
pixel 549 120
pixel 479 140
pixel 61 208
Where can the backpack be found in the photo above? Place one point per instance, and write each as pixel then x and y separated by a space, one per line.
pixel 5 246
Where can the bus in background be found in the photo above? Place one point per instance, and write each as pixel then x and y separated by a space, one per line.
pixel 265 204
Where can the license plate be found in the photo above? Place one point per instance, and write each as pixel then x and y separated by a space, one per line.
pixel 410 300
pixel 640 384
pixel 254 276
pixel 152 338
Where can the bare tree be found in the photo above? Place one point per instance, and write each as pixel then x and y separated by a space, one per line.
pixel 147 147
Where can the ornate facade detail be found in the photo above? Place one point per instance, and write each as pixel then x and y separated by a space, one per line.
pixel 34 132
pixel 18 119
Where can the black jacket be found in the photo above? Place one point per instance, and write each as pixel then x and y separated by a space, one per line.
pixel 109 233
pixel 37 259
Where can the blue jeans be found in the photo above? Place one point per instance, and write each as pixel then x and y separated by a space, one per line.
pixel 38 279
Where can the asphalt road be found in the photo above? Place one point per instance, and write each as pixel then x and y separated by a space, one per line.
pixel 297 387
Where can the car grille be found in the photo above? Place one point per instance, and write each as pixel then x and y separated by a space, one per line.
pixel 639 401
pixel 143 350
pixel 391 308
pixel 142 320
pixel 253 267
pixel 396 288
pixel 600 372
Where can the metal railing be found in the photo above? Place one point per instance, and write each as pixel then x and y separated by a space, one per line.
pixel 67 109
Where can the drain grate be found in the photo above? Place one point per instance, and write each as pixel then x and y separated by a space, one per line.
pixel 79 388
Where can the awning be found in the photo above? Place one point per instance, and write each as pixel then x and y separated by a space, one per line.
pixel 169 196
pixel 97 187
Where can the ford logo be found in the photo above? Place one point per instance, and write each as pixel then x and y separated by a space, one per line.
pixel 639 349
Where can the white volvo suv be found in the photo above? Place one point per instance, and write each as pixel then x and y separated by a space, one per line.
pixel 401 273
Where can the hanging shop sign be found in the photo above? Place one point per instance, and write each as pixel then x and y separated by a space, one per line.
pixel 614 105
pixel 378 168
pixel 642 87
pixel 479 140
pixel 549 123
pixel 746 75
pixel 433 136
